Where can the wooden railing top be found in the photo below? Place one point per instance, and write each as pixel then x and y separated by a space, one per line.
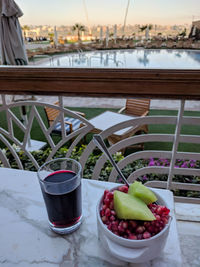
pixel 119 83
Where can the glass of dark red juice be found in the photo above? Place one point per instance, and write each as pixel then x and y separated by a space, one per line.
pixel 60 182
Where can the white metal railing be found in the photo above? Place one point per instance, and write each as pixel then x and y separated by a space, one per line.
pixel 173 155
pixel 7 136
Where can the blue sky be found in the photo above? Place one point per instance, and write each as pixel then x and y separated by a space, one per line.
pixel 67 12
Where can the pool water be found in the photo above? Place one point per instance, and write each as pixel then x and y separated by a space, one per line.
pixel 132 58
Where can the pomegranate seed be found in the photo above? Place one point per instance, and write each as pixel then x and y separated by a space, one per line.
pixel 102 213
pixel 111 205
pixel 157 224
pixel 125 225
pixel 120 228
pixel 140 229
pixel 166 211
pixel 128 231
pixel 123 188
pixel 112 218
pixel 150 229
pixel 161 223
pixel 109 226
pixel 157 217
pixel 159 210
pixel 156 230
pixel 107 212
pixel 116 232
pixel 106 192
pixel 104 219
pixel 146 235
pixel 165 220
pixel 107 201
pixel 113 212
pixel 104 207
pixel 132 236
pixel 133 224
pixel 115 222
pixel 110 195
pixel 146 224
pixel 139 236
pixel 114 227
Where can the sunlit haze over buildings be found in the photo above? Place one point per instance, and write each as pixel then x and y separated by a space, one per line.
pixel 94 12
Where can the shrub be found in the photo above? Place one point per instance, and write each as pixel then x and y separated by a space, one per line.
pixel 41 156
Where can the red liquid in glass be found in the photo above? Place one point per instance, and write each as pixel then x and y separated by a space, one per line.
pixel 63 210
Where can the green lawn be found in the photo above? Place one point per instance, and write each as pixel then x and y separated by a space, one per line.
pixel 37 134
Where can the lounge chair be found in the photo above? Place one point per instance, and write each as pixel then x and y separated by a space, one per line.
pixel 71 124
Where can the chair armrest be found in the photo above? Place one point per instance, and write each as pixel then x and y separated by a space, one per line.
pixel 122 109
pixel 70 126
pixel 80 113
pixel 145 113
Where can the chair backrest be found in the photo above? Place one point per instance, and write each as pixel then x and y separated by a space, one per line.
pixel 137 107
pixel 52 113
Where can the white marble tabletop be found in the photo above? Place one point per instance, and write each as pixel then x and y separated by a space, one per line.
pixel 26 240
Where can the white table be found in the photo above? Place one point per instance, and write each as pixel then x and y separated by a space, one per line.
pixel 107 119
pixel 26 240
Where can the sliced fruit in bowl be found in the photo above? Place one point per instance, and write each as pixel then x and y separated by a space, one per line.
pixel 125 220
pixel 139 190
pixel 130 207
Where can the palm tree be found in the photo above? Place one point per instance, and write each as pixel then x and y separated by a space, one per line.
pixel 51 36
pixel 143 28
pixel 80 28
pixel 25 28
pixel 183 33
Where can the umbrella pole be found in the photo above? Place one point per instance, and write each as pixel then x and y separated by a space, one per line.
pixel 25 120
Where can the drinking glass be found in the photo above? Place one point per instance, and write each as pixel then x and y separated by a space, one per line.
pixel 60 182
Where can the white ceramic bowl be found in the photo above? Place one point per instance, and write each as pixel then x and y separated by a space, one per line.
pixel 136 251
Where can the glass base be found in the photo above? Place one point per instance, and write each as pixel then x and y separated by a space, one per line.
pixel 67 230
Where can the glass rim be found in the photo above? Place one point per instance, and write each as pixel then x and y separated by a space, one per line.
pixel 57 159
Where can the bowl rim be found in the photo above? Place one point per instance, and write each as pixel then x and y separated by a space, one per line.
pixel 119 238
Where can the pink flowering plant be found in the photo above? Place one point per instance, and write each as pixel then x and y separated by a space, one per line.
pixel 41 155
pixel 180 163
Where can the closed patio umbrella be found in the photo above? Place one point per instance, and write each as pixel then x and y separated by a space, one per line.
pixel 194 31
pixel 101 34
pixel 11 41
pixel 115 33
pixel 107 36
pixel 147 33
pixel 55 37
pixel 12 48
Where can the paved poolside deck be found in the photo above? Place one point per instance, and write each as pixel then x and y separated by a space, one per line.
pixel 95 102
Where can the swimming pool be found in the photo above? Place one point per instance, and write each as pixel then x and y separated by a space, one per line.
pixel 131 58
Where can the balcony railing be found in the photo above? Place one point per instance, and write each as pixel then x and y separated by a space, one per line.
pixel 7 136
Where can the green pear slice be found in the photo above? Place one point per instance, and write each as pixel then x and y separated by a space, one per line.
pixel 137 189
pixel 130 207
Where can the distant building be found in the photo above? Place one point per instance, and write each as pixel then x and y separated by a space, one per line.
pixel 195 30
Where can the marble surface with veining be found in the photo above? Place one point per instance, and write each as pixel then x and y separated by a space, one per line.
pixel 26 240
